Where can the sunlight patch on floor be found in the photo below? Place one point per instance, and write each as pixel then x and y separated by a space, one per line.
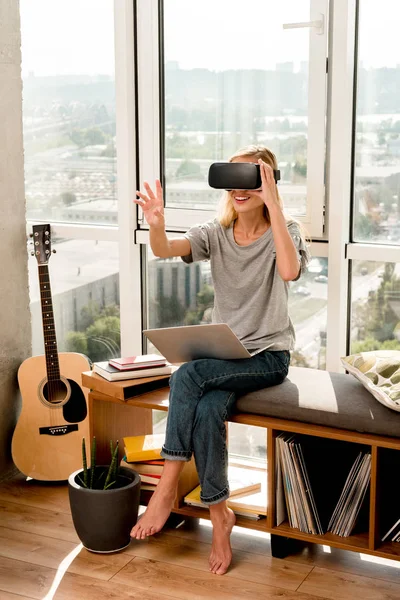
pixel 62 568
pixel 379 560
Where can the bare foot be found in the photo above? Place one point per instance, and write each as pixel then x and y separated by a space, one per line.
pixel 155 515
pixel 221 552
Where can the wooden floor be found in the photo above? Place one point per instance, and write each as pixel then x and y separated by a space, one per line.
pixel 40 557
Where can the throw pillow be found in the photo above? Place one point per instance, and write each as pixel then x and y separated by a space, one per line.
pixel 379 372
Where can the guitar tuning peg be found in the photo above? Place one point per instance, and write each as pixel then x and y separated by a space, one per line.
pixel 54 251
pixel 31 235
pixel 32 254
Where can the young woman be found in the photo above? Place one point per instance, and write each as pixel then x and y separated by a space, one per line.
pixel 254 252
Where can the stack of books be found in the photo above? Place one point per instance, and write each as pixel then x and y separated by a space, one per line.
pixel 132 367
pixel 295 488
pixel 142 454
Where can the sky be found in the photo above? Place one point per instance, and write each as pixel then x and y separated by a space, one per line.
pixel 61 37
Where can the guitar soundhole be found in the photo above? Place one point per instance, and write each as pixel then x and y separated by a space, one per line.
pixel 56 392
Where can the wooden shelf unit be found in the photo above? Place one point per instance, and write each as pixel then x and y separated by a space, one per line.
pixel 368 542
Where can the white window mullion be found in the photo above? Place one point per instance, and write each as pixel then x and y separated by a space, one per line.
pixel 148 92
pixel 373 252
pixel 129 258
pixel 339 162
pixel 316 120
pixel 76 231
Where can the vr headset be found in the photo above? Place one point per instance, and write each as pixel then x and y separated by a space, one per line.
pixel 236 176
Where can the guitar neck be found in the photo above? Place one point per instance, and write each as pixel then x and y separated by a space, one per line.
pixel 49 330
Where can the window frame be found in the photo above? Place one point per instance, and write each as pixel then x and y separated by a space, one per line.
pixel 150 61
pixel 134 120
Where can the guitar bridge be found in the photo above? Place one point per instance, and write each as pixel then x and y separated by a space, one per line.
pixel 58 429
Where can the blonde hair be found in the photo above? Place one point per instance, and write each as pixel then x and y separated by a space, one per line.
pixel 226 211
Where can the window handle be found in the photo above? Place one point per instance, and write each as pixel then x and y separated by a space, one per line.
pixel 319 25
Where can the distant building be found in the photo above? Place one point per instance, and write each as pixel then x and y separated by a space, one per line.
pixel 172 278
pixel 81 272
pixel 285 67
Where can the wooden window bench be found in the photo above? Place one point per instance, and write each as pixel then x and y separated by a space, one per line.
pixel 312 403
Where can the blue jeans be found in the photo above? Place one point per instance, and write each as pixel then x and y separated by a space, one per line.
pixel 202 397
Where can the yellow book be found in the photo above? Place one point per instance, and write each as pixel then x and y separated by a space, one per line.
pixel 143 447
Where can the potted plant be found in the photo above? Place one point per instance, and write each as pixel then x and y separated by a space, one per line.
pixel 104 502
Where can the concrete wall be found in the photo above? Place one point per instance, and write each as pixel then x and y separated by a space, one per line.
pixel 15 332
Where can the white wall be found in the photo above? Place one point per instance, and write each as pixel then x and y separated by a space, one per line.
pixel 15 333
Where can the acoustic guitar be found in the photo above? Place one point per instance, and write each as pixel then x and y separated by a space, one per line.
pixel 47 440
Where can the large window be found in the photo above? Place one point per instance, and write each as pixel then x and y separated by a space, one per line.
pixel 377 151
pixel 69 110
pixel 233 77
pixel 375 306
pixel 84 278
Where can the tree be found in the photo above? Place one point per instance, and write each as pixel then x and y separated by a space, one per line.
pixel 99 335
pixel 365 226
pixel 192 318
pixel 94 136
pixel 103 338
pixel 110 151
pixel 299 360
pixel 205 299
pixel 170 311
pixel 381 138
pixel 76 342
pixel 89 314
pixel 68 198
pixel 76 136
pixel 300 168
pixel 111 310
pixel 370 345
pixel 377 318
pixel 189 170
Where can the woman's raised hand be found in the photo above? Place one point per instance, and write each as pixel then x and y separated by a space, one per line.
pixel 152 205
pixel 269 192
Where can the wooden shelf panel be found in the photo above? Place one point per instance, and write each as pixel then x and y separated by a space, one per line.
pixel 156 400
pixel 128 388
pixel 389 549
pixel 357 542
pixel 282 425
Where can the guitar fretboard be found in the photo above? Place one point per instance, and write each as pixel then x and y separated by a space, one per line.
pixel 49 330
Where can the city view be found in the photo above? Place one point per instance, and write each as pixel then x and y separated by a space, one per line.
pixel 214 103
pixel 69 133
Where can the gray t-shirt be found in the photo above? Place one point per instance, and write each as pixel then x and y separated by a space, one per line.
pixel 249 294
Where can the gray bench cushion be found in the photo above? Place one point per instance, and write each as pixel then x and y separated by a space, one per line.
pixel 323 398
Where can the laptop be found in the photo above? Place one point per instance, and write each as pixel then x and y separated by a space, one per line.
pixel 181 344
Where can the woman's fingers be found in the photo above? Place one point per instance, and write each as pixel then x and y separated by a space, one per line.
pixel 262 171
pixel 266 173
pixel 142 196
pixel 159 192
pixel 150 201
pixel 149 191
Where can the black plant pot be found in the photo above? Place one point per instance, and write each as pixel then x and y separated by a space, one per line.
pixel 103 519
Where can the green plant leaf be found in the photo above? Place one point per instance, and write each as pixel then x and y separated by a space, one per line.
pixel 84 462
pixel 82 482
pixel 92 462
pixel 109 485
